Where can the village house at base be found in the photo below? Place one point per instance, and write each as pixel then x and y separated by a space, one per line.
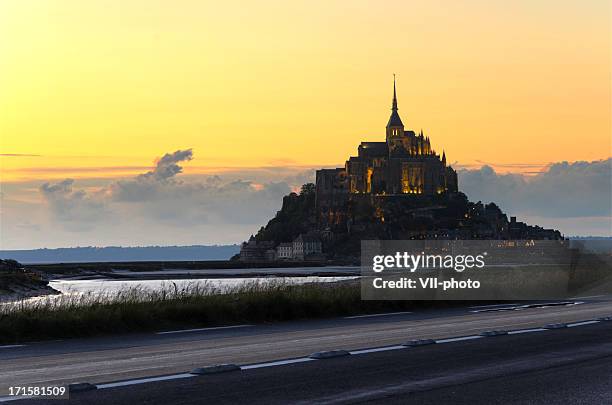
pixel 302 248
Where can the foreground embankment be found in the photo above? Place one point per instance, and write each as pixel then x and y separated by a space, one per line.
pixel 138 310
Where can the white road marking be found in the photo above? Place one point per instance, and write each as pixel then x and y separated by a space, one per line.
pixel 277 363
pixel 499 309
pixel 518 332
pixel 202 329
pixel 571 325
pixel 590 296
pixel 11 346
pixel 528 306
pixel 494 305
pixel 377 349
pixel 566 304
pixel 373 315
pixel 145 380
pixel 458 339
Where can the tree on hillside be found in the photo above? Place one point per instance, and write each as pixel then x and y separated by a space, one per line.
pixel 296 216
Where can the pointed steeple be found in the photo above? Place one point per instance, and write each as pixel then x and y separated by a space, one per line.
pixel 394 104
pixel 395 120
pixel 443 158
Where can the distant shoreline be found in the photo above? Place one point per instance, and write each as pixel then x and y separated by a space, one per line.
pixel 212 269
pixel 153 265
pixel 93 254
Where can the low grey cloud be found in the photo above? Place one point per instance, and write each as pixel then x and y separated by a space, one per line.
pixel 579 189
pixel 160 195
pixel 77 209
pixel 168 166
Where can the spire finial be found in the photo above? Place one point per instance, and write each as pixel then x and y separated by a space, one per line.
pixel 394 106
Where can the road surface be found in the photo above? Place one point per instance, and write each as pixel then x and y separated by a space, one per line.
pixel 572 366
pixel 104 360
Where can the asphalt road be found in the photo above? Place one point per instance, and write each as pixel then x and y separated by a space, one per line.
pixel 119 358
pixel 568 366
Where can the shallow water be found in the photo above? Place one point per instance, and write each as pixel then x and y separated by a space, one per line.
pixel 105 289
pixel 220 284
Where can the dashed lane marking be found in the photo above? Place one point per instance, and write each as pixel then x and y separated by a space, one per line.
pixel 277 363
pixel 458 339
pixel 202 329
pixel 145 380
pixel 377 349
pixel 518 332
pixel 374 315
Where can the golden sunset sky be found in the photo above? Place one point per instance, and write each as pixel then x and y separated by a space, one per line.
pixel 100 88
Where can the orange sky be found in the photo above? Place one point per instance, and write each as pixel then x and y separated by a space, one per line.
pixel 101 88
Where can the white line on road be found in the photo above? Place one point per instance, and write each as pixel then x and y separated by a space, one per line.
pixel 567 304
pixel 277 363
pixel 11 346
pixel 145 380
pixel 202 329
pixel 373 315
pixel 571 325
pixel 493 305
pixel 498 309
pixel 517 307
pixel 377 349
pixel 458 339
pixel 518 332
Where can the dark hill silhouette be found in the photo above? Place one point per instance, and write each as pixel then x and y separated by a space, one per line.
pixel 363 217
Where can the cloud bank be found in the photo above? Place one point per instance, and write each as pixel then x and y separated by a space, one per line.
pixel 579 189
pixel 158 195
pixel 75 209
pixel 162 206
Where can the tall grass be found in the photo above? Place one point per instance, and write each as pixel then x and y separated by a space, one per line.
pixel 197 304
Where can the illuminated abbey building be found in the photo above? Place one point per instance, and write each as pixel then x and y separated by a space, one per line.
pixel 403 165
pixel 399 189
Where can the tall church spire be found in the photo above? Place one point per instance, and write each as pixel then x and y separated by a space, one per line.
pixel 394 105
pixel 395 120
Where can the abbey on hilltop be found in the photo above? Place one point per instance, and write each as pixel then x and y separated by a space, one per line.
pixel 399 189
pixel 404 164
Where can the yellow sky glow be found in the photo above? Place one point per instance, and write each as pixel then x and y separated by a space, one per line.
pixel 110 85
